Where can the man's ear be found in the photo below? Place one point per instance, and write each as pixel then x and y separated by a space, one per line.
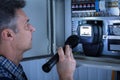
pixel 7 34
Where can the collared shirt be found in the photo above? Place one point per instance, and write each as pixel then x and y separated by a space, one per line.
pixel 10 70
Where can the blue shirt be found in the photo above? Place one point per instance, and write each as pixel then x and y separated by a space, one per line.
pixel 10 70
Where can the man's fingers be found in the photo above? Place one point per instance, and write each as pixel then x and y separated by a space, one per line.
pixel 71 54
pixel 67 51
pixel 67 54
pixel 61 54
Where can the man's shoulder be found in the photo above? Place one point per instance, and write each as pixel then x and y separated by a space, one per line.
pixel 5 78
pixel 4 74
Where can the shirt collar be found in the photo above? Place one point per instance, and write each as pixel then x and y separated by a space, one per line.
pixel 17 71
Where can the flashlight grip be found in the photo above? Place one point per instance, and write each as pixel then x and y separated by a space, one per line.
pixel 48 65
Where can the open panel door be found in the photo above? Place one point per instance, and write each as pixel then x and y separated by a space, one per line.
pixel 39 13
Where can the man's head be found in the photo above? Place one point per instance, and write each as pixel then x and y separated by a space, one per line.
pixel 15 30
pixel 8 13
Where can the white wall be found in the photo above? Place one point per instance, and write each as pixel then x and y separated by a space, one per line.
pixel 34 71
pixel 36 10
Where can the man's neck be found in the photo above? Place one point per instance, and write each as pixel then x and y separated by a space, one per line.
pixel 11 55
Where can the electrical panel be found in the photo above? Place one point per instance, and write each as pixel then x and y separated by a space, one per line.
pixel 107 11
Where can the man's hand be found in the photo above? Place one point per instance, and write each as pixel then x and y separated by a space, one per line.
pixel 66 64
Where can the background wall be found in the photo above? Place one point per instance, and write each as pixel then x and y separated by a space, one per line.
pixel 33 67
pixel 34 71
pixel 37 13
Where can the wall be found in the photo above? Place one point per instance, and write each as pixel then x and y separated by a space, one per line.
pixel 34 72
pixel 37 13
pixel 59 12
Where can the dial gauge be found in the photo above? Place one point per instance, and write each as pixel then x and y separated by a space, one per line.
pixel 116 30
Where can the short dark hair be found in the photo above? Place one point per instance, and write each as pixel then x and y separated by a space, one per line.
pixel 8 13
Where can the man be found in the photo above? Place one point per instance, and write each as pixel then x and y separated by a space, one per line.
pixel 16 38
